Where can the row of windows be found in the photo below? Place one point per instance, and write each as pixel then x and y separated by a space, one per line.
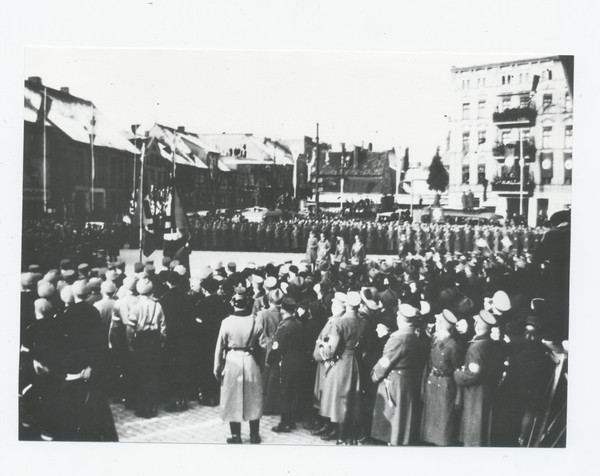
pixel 507 103
pixel 507 137
pixel 509 79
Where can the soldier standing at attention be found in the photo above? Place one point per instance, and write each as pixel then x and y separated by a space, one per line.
pixel 235 366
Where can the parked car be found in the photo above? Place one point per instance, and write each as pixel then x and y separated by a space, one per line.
pixel 255 214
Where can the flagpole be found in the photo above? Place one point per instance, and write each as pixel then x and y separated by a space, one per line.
pixel 140 199
pixel 44 151
pixel 93 123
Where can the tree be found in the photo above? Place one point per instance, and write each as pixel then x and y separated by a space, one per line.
pixel 438 177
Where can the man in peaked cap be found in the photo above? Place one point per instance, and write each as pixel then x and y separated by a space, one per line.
pixel 479 379
pixel 286 352
pixel 83 270
pixel 441 396
pixel 181 341
pixel 351 333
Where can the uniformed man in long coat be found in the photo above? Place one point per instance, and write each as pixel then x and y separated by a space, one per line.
pixel 269 319
pixel 440 396
pixel 286 352
pixel 350 336
pixel 325 358
pixel 236 368
pixel 479 379
pixel 396 413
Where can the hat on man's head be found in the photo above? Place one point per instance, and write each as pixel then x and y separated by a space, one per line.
pixel 45 289
pixel 407 312
pixel 465 307
pixel 66 295
pixel 449 320
pixel 231 267
pixel 108 287
pixel 129 283
pixel 388 298
pixel 276 296
pixel 487 318
pixel 52 276
pixel 94 272
pixel 288 304
pixel 180 270
pixel 270 283
pixel 256 279
pixel 240 303
pixel 210 284
pixel 34 268
pixel 138 267
pixel 80 288
pixel 293 269
pixel 66 264
pixel 501 301
pixel 111 275
pixel 83 268
pixel 149 269
pixel 94 284
pixel 353 299
pixel 166 261
pixel 27 280
pixel 44 307
pixel 144 286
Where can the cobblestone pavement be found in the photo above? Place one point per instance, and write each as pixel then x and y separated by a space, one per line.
pixel 199 424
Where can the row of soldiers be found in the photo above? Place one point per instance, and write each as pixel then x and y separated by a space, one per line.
pixel 403 352
pixel 378 238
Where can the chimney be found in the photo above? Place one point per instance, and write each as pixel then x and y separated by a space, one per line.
pixel 370 147
pixel 180 128
pixel 356 158
pixel 134 128
pixel 65 90
pixel 35 80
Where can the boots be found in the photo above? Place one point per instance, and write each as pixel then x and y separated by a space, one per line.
pixel 236 431
pixel 333 432
pixel 323 429
pixel 254 436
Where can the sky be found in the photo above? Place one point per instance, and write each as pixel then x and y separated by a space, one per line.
pixel 387 99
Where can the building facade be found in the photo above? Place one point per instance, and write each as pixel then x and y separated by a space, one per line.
pixel 500 110
pixel 75 164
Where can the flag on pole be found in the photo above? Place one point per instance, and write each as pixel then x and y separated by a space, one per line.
pixel 151 239
pixel 176 229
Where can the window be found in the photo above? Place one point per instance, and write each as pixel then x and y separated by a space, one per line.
pixel 508 79
pixel 523 101
pixel 503 79
pixel 480 174
pixel 506 137
pixel 547 102
pixel 525 135
pixel 568 161
pixel 549 75
pixel 568 102
pixel 546 135
pixel 465 142
pixel 466 111
pixel 520 77
pixel 505 103
pixel 481 109
pixel 467 84
pixel 466 174
pixel 568 137
pixel 480 137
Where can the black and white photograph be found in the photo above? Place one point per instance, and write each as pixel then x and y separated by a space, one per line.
pixel 202 262
pixel 298 238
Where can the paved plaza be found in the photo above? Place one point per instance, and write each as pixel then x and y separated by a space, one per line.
pixel 199 424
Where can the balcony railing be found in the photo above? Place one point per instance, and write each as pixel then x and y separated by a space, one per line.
pixel 512 184
pixel 516 116
pixel 529 150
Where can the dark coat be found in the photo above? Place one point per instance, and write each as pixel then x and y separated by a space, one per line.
pixel 268 320
pixel 396 413
pixel 479 379
pixel 440 419
pixel 286 352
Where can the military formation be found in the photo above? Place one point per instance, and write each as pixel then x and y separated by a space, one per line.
pixel 446 343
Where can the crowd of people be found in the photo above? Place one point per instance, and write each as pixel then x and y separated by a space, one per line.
pixel 448 343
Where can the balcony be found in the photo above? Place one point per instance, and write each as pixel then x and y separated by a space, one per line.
pixel 515 117
pixel 509 185
pixel 501 150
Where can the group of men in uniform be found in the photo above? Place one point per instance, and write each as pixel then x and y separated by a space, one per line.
pixel 429 348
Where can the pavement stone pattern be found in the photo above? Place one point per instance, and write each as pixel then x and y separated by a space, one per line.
pixel 200 424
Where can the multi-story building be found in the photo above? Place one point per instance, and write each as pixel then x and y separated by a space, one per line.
pixel 75 164
pixel 500 109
